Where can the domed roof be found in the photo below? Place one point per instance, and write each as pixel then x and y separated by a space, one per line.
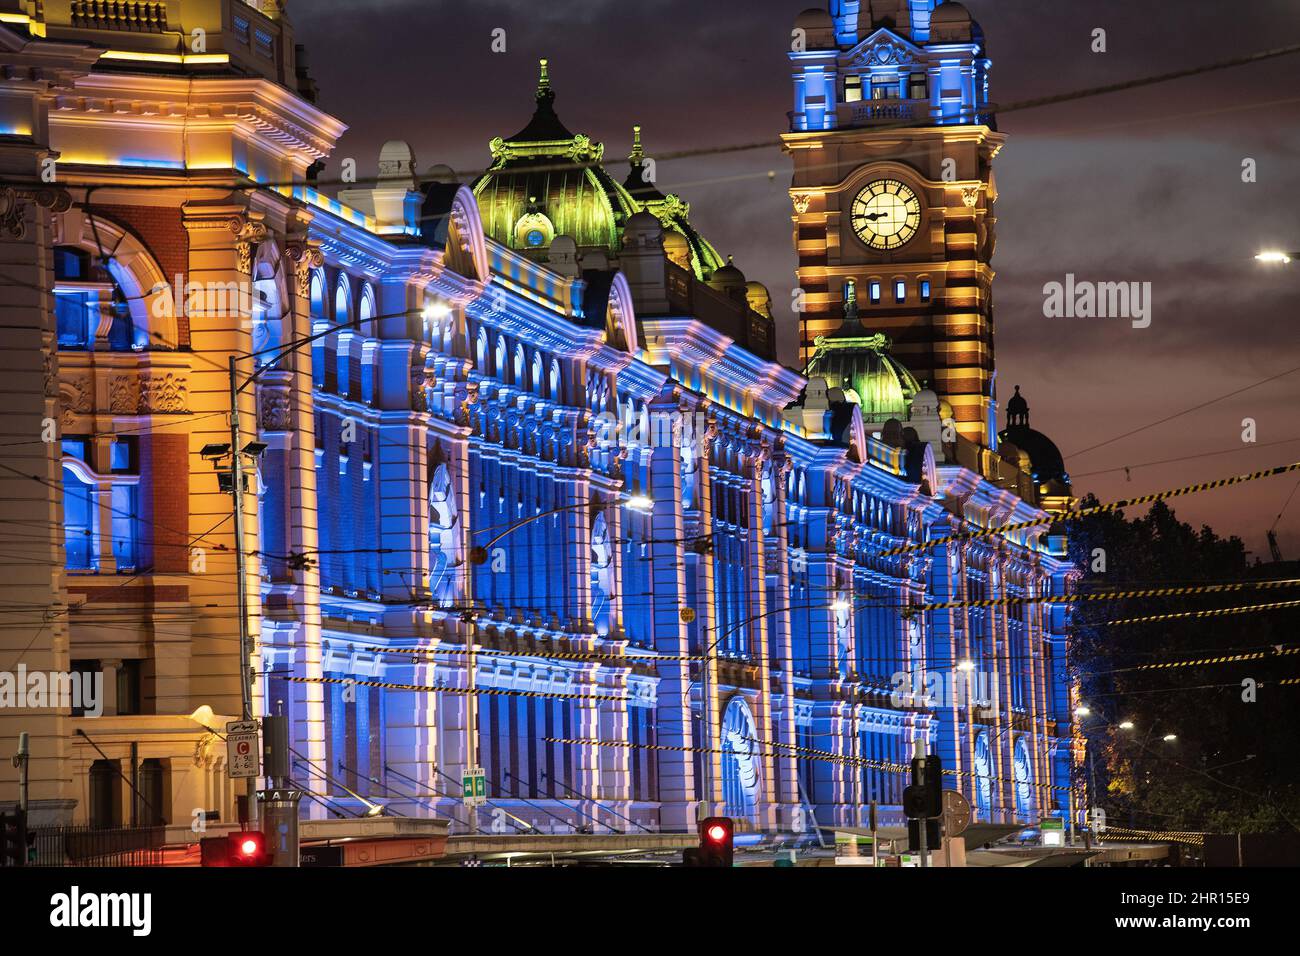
pixel 726 278
pixel 815 18
pixel 1046 462
pixel 950 11
pixel 952 21
pixel 867 373
pixel 1044 456
pixel 555 179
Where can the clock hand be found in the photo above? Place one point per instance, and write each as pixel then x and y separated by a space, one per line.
pixel 873 216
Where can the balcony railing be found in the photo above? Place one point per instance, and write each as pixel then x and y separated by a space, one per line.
pixel 92 846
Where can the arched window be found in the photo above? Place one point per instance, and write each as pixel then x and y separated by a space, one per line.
pixel 740 763
pixel 342 301
pixel 482 351
pixel 90 307
pixel 602 575
pixel 539 378
pixel 268 313
pixel 983 778
pixel 80 522
pixel 556 394
pixel 500 367
pixel 1023 769
pixel 521 379
pixel 366 312
pixel 444 544
pixel 319 323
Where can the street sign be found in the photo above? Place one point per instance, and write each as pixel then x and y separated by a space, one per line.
pixel 956 813
pixel 688 615
pixel 1053 831
pixel 243 755
pixel 474 784
pixel 320 856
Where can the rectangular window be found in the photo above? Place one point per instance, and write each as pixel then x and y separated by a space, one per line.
pixel 129 698
pixel 852 89
pixel 874 291
pixel 263 43
pixel 900 290
pixel 925 290
pixel 79 513
pixel 123 459
pixel 75 447
pixel 125 544
pixel 74 312
pixel 917 87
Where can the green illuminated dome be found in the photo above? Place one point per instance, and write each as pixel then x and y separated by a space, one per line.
pixel 870 377
pixel 546 181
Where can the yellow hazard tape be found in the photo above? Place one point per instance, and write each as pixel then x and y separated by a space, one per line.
pixel 1099 509
pixel 449 690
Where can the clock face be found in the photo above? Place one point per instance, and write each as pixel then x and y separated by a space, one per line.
pixel 886 214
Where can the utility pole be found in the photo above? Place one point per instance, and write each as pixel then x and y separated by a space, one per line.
pixel 20 761
pixel 920 757
pixel 241 574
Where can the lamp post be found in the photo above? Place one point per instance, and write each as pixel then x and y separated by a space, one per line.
pixel 1276 257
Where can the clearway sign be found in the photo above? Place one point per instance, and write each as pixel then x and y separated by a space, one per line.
pixel 243 755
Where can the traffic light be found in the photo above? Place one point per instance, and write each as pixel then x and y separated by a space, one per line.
pixel 13 839
pixel 248 848
pixel 932 835
pixel 717 839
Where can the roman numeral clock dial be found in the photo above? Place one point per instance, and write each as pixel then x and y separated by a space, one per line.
pixel 886 214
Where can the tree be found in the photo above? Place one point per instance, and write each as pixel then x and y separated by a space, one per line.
pixel 1232 764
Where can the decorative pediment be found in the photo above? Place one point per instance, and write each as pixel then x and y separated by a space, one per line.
pixel 883 48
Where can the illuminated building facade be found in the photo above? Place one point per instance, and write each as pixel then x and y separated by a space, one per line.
pixel 536 414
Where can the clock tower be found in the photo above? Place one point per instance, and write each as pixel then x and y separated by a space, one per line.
pixel 893 192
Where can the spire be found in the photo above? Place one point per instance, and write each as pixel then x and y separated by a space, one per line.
pixel 544 80
pixel 1017 410
pixel 638 153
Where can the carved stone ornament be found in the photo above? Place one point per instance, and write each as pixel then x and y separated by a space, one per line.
pixel 15 201
pixel 275 411
pixel 123 398
pixel 801 202
pixel 306 258
pixel 163 394
pixel 248 233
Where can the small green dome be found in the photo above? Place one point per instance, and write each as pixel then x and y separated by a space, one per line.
pixel 870 377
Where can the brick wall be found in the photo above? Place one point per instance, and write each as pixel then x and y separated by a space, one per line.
pixel 163 233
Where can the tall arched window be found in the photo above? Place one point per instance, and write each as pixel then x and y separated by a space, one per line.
pixel 366 311
pixel 267 313
pixel 444 544
pixel 983 778
pixel 740 763
pixel 319 323
pixel 602 575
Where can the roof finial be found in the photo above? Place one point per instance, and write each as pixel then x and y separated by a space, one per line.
pixel 638 152
pixel 543 78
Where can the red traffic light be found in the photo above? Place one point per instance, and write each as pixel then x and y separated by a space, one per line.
pixel 248 848
pixel 716 833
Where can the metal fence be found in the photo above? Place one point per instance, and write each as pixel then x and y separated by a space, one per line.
pixel 92 846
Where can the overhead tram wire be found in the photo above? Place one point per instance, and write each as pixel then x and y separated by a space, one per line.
pixel 991 109
pixel 1053 517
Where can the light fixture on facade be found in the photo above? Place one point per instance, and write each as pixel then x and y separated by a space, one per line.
pixel 640 503
pixel 1082 711
pixel 966 666
pixel 841 605
pixel 436 311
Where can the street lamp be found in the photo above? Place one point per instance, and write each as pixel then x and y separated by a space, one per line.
pixel 1276 257
pixel 1126 725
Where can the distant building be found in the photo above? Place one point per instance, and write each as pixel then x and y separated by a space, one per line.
pixel 537 414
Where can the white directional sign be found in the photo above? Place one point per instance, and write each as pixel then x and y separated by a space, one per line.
pixel 243 755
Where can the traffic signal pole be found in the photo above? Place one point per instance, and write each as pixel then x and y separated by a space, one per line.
pixel 241 575
pixel 925 850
